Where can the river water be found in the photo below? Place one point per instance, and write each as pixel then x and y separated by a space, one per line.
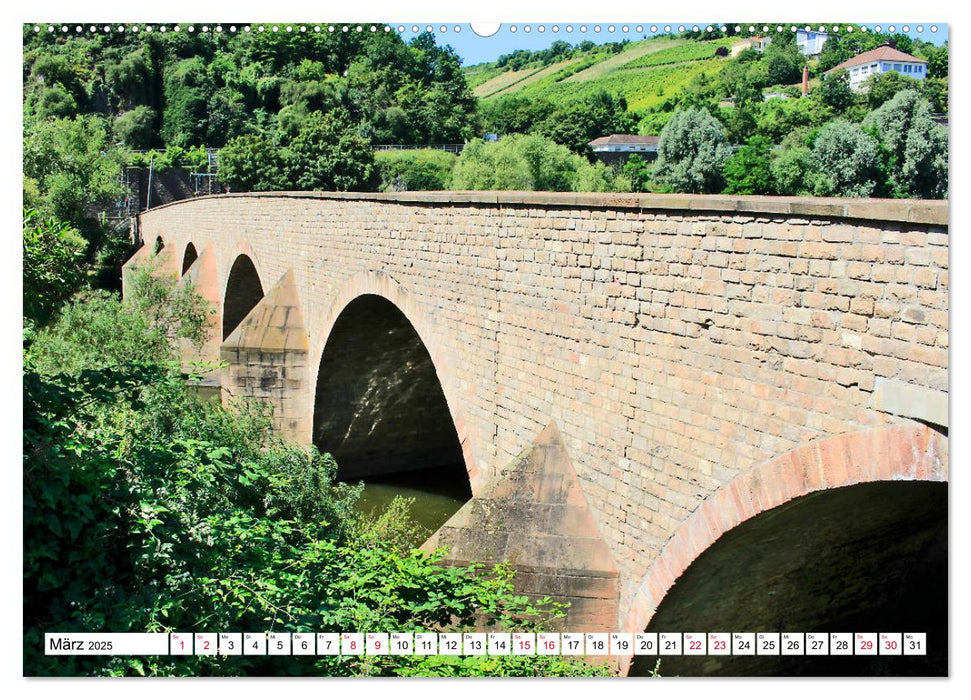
pixel 438 492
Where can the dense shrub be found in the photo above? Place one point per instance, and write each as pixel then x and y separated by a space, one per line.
pixel 529 162
pixel 845 162
pixel 415 170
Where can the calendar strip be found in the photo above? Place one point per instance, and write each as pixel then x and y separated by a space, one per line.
pixel 615 644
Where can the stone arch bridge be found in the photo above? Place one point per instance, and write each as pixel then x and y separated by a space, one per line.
pixel 625 377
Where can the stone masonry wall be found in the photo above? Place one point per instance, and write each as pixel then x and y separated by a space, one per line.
pixel 676 341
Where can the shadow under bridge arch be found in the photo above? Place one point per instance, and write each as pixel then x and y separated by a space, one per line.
pixel 379 406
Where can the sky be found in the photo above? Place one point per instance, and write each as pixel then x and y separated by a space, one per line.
pixel 477 49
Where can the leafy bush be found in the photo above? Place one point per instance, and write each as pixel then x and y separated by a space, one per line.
pixel 692 152
pixel 749 170
pixel 136 128
pixel 98 330
pixel 845 162
pixel 528 162
pixel 252 164
pixel 415 170
pixel 53 265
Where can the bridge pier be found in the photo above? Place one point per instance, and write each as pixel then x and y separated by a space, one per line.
pixel 534 516
pixel 267 358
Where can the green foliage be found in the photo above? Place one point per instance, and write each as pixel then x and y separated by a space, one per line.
pixel 527 162
pixel 790 169
pixel 749 170
pixel 208 89
pixel 576 124
pixel 74 167
pixel 880 87
pixel 99 330
pixel 917 146
pixel 783 63
pixel 845 162
pixel 191 158
pixel 682 53
pixel 639 172
pixel 692 153
pixel 252 164
pixel 55 102
pixel 53 263
pixel 778 118
pixel 136 128
pixel 146 509
pixel 937 60
pixel 329 154
pixel 415 170
pixel 186 88
pixel 835 92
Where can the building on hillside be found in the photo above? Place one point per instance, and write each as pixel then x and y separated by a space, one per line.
pixel 811 42
pixel 756 43
pixel 882 59
pixel 617 148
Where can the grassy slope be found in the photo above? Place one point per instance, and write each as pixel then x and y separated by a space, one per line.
pixel 646 73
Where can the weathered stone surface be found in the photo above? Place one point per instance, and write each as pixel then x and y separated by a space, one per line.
pixel 534 516
pixel 911 401
pixel 266 357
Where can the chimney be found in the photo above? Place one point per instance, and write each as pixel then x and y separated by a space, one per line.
pixel 805 81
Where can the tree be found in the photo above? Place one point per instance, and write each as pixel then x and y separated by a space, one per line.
pixel 639 172
pixel 576 124
pixel 136 128
pixel 749 170
pixel 692 152
pixel 186 89
pixel 845 162
pixel 917 146
pixel 880 87
pixel 835 91
pixel 252 163
pixel 790 169
pixel 784 63
pixel 53 265
pixel 74 168
pixel 329 154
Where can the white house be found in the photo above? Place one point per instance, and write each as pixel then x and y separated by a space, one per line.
pixel 810 42
pixel 882 59
pixel 616 148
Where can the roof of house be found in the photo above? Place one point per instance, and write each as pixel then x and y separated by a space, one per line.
pixel 626 140
pixel 881 53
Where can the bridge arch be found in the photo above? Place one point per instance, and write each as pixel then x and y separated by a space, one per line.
pixel 158 246
pixel 188 257
pixel 894 453
pixel 243 292
pixel 371 297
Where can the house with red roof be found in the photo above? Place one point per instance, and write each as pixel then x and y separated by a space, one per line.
pixel 882 59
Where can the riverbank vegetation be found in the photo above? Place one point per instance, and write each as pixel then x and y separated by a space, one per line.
pixel 149 509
